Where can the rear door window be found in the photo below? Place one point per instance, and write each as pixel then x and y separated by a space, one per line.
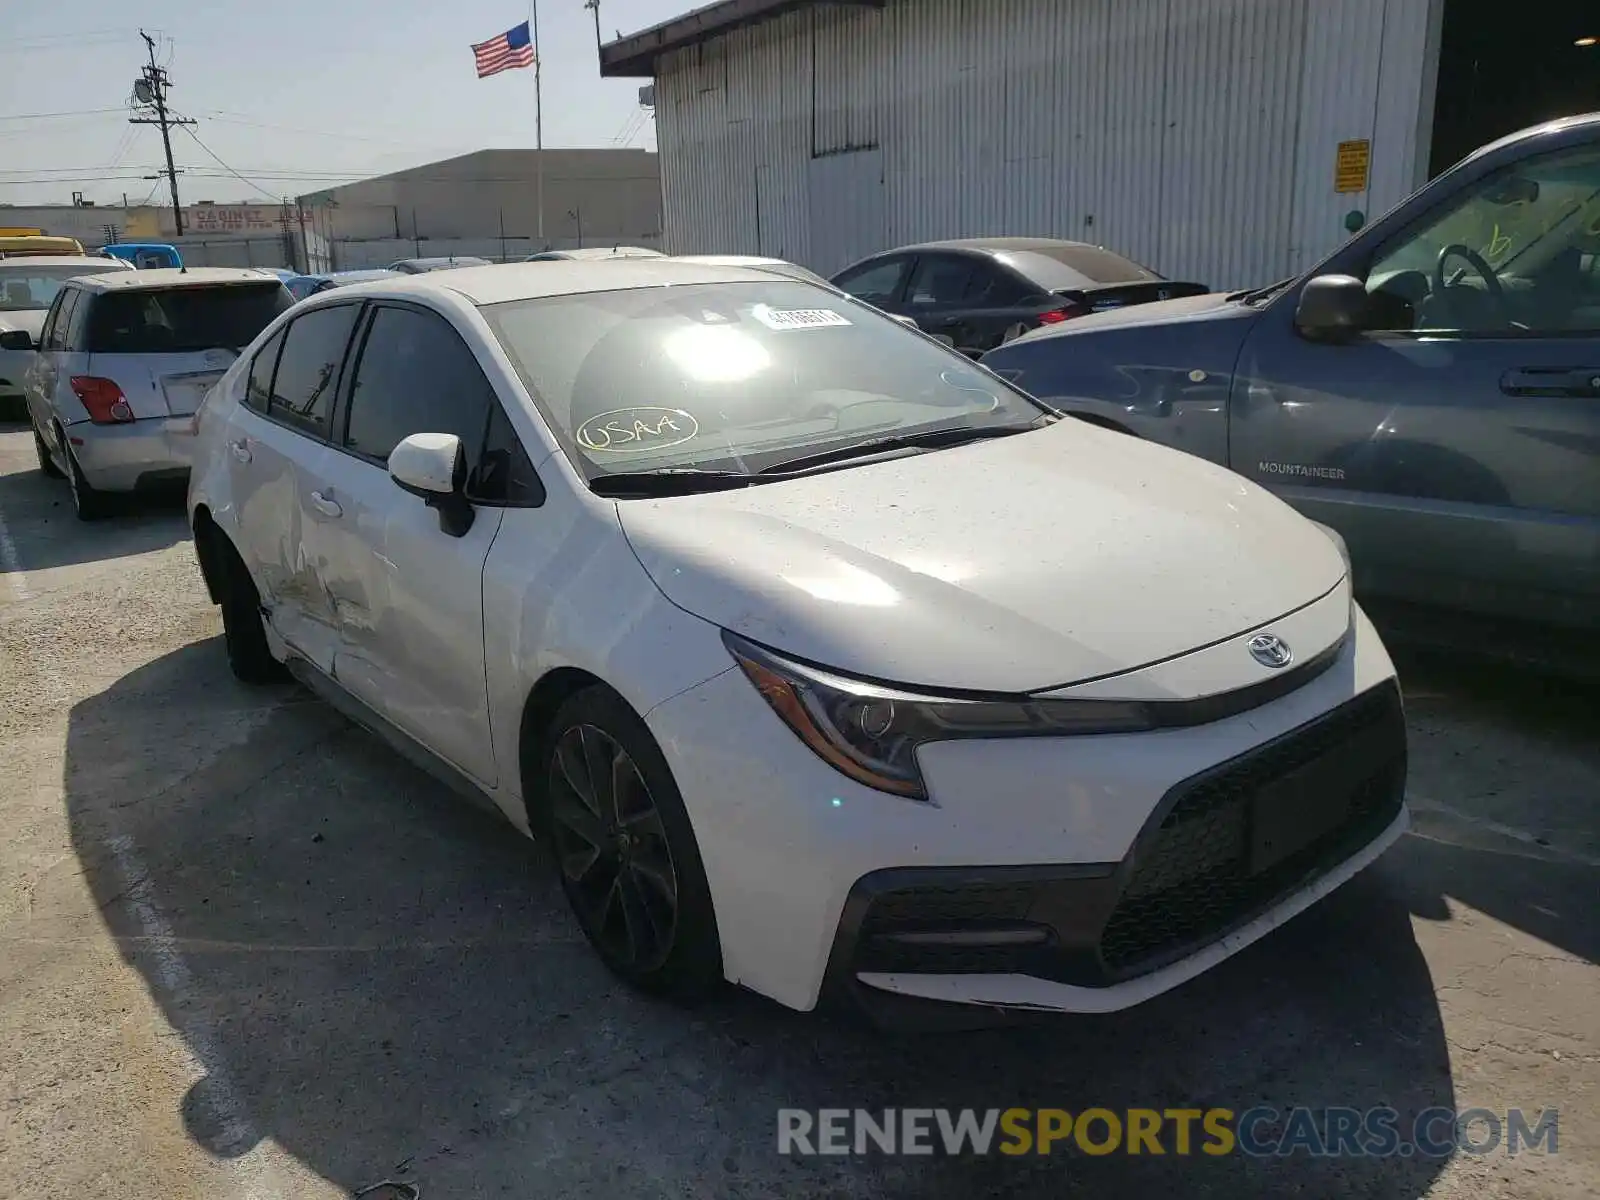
pixel 307 375
pixel 258 391
pixel 176 320
pixel 75 322
pixel 54 334
pixel 940 280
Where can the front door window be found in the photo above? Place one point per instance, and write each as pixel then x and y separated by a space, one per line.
pixel 1516 253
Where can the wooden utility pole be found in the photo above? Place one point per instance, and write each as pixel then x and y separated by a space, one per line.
pixel 151 89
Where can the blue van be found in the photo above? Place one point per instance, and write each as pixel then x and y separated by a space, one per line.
pixel 145 254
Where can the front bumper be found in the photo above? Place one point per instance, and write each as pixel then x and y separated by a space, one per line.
pixel 1226 856
pixel 1086 898
pixel 150 452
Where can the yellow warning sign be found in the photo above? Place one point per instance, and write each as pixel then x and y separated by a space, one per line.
pixel 1351 166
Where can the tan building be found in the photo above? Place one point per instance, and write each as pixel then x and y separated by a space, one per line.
pixel 492 203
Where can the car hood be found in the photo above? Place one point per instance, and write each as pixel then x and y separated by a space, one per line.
pixel 29 319
pixel 1020 564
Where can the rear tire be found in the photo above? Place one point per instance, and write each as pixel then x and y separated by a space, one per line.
pixel 624 849
pixel 47 465
pixel 89 503
pixel 243 631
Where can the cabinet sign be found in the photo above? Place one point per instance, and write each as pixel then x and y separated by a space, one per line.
pixel 1351 166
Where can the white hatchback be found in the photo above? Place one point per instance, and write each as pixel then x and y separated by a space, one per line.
pixel 827 662
pixel 123 361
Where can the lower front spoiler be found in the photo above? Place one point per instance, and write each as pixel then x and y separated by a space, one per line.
pixel 1030 994
pixel 1228 855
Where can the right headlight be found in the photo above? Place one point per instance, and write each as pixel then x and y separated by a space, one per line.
pixel 871 732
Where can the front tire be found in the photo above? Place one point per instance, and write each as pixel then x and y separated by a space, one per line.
pixel 243 631
pixel 625 850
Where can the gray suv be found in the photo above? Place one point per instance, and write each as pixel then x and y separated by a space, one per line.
pixel 1431 390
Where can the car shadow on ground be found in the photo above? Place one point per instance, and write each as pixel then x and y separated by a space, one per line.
pixel 1524 851
pixel 46 533
pixel 387 983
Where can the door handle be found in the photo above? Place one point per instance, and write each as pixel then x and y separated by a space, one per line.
pixel 326 505
pixel 1552 381
pixel 241 450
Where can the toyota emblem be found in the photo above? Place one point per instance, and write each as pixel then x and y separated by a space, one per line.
pixel 1270 650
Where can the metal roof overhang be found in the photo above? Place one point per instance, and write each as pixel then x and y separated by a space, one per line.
pixel 635 55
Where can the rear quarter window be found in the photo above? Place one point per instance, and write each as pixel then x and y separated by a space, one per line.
pixel 174 320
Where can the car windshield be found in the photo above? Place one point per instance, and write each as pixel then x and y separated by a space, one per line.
pixel 736 376
pixel 1058 268
pixel 200 317
pixel 35 286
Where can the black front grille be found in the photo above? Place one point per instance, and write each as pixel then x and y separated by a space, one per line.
pixel 1221 848
pixel 1201 870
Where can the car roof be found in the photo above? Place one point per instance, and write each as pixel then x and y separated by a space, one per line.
pixel 469 259
pixel 581 253
pixel 176 277
pixel 67 260
pixel 501 282
pixel 993 245
pixel 759 262
pixel 735 260
pixel 364 272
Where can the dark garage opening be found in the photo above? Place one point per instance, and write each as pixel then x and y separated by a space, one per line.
pixel 1504 66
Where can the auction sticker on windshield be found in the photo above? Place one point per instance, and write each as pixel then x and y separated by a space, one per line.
pixel 637 430
pixel 797 318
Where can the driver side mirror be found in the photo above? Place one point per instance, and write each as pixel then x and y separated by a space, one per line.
pixel 17 339
pixel 432 466
pixel 1332 308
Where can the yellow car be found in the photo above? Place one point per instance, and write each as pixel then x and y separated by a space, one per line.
pixel 11 247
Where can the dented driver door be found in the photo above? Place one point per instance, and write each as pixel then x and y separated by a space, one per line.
pixel 409 595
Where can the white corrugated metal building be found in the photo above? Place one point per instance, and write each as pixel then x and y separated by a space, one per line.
pixel 1197 136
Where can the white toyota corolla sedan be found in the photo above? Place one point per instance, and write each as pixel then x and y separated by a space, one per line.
pixel 828 663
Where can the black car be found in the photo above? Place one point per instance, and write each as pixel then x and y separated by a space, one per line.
pixel 977 293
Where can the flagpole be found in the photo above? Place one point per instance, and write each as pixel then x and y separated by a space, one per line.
pixel 538 111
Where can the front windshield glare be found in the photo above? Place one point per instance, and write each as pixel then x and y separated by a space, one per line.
pixel 735 376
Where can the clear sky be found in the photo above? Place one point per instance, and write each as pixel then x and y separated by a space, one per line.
pixel 294 94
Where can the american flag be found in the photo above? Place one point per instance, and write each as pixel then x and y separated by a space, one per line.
pixel 513 48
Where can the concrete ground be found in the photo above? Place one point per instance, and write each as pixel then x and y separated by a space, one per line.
pixel 246 951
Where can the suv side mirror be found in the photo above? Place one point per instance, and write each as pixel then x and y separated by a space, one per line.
pixel 1332 308
pixel 17 339
pixel 431 465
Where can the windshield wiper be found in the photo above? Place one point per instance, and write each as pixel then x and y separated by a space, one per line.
pixel 1256 295
pixel 936 439
pixel 667 481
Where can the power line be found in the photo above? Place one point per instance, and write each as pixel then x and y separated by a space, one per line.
pixel 229 169
pixel 46 43
pixel 81 112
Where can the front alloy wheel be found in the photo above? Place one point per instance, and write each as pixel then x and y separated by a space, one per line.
pixel 612 849
pixel 625 848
